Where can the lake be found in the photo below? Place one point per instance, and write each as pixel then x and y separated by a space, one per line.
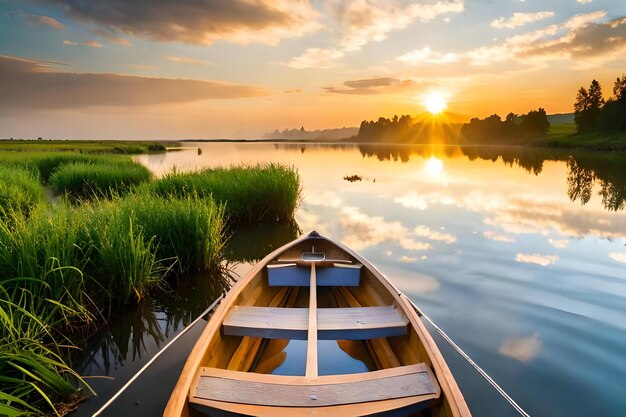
pixel 518 254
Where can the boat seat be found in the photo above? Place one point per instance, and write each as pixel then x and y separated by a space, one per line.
pixel 415 381
pixel 294 275
pixel 356 323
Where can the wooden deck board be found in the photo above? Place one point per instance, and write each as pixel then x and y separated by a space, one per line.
pixel 332 323
pixel 224 389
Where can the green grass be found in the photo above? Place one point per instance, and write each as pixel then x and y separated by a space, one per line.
pixel 34 379
pixel 65 266
pixel 565 136
pixel 86 146
pixel 81 180
pixel 258 193
pixel 20 190
pixel 45 163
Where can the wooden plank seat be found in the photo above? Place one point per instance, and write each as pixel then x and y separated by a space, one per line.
pixel 356 323
pixel 279 391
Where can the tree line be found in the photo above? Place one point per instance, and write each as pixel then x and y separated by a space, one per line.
pixel 592 113
pixel 515 127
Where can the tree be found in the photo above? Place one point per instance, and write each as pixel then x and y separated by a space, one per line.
pixel 511 117
pixel 588 107
pixel 535 123
pixel 619 89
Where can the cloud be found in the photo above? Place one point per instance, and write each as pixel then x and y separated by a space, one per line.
pixel 522 348
pixel 363 22
pixel 315 58
pixel 198 21
pixel 520 19
pixel 112 38
pixel 498 237
pixel 375 85
pixel 69 43
pixel 534 258
pixel 92 44
pixel 559 243
pixel 407 259
pixel 426 55
pixel 38 84
pixel 584 1
pixel 187 60
pixel 580 38
pixel 618 256
pixel 50 21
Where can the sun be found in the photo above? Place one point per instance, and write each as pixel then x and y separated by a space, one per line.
pixel 435 102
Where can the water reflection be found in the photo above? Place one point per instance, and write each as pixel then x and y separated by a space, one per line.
pixel 493 243
pixel 251 243
pixel 585 169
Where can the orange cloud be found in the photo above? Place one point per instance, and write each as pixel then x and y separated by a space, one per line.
pixel 35 84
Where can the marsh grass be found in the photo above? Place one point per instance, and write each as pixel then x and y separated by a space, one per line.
pixel 84 180
pixel 20 190
pixel 85 146
pixel 33 375
pixel 255 193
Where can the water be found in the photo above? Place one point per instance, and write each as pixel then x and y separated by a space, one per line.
pixel 519 254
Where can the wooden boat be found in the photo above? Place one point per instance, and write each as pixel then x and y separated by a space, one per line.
pixel 278 343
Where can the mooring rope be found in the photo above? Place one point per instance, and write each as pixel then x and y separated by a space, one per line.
pixel 130 381
pixel 465 356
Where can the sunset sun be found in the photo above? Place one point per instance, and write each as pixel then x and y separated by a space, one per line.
pixel 434 102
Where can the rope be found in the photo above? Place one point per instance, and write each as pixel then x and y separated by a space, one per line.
pixel 465 356
pixel 130 381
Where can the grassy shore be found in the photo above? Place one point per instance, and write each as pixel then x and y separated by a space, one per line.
pixel 113 236
pixel 565 136
pixel 86 146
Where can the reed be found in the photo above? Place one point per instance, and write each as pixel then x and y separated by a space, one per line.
pixel 34 379
pixel 251 193
pixel 84 180
pixel 20 190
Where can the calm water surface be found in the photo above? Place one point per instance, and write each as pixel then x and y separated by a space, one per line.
pixel 518 254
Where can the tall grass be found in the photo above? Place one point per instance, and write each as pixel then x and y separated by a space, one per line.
pixel 81 180
pixel 107 252
pixel 20 190
pixel 258 193
pixel 34 379
pixel 45 163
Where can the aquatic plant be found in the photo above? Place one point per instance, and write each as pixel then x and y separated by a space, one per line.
pixel 80 180
pixel 34 379
pixel 251 193
pixel 20 190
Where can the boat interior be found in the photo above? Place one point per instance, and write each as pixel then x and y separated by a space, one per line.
pixel 316 317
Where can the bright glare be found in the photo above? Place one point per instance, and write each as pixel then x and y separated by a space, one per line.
pixel 435 102
pixel 434 166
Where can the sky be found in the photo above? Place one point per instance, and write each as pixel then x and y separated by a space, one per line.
pixel 186 69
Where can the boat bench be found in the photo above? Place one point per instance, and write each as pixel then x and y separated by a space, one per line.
pixel 356 323
pixel 227 386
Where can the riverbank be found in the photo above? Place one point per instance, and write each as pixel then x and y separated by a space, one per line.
pixel 565 136
pixel 112 234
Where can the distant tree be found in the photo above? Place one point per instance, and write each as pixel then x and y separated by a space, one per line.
pixel 619 89
pixel 535 123
pixel 511 117
pixel 587 107
pixel 613 116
